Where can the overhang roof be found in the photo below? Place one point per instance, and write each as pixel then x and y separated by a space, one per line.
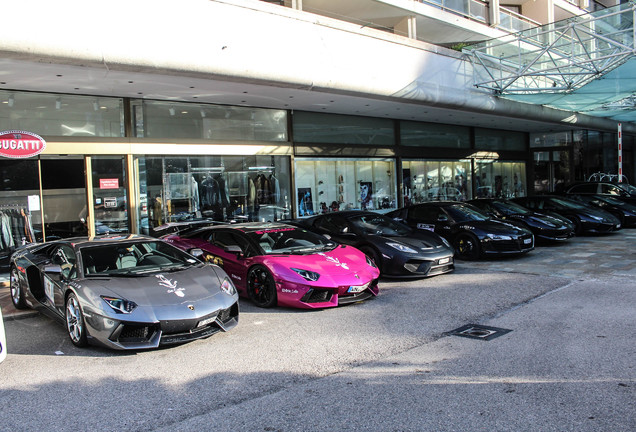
pixel 584 64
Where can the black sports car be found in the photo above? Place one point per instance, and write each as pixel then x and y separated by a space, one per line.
pixel 397 250
pixel 624 211
pixel 586 219
pixel 472 232
pixel 544 227
pixel 621 191
pixel 127 292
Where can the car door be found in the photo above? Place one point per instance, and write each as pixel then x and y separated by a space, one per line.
pixel 62 268
pixel 235 264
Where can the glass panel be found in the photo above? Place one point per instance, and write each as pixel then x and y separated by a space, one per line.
pixel 19 206
pixel 500 179
pixel 326 185
pixel 61 115
pixel 109 194
pixel 542 172
pixel 554 139
pixel 216 122
pixel 341 129
pixel 435 181
pixel 434 135
pixel 64 197
pixel 490 139
pixel 223 188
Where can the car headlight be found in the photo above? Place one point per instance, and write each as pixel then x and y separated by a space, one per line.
pixel 120 305
pixel 402 248
pixel 498 237
pixel 371 262
pixel 307 275
pixel 228 287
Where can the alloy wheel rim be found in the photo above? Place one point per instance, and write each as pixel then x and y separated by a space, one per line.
pixel 73 321
pixel 15 286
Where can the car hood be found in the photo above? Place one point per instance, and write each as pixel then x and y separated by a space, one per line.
pixel 495 227
pixel 416 240
pixel 160 288
pixel 341 261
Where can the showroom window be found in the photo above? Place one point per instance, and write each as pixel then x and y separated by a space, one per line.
pixel 326 185
pixel 61 115
pixel 223 188
pixel 500 140
pixel 500 179
pixel 435 181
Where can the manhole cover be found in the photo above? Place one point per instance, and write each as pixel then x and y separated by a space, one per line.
pixel 482 332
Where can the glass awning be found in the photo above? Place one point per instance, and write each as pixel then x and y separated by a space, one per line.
pixel 584 64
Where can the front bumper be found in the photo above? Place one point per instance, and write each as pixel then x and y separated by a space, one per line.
pixel 317 297
pixel 517 245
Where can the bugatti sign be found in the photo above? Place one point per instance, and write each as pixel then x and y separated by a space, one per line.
pixel 20 144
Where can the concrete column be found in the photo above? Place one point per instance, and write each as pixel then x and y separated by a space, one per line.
pixel 493 13
pixel 297 4
pixel 406 27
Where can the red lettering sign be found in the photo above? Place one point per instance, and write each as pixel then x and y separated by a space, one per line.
pixel 20 144
pixel 112 183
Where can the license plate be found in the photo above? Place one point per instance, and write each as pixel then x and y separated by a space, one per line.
pixel 444 260
pixel 527 241
pixel 357 289
pixel 206 321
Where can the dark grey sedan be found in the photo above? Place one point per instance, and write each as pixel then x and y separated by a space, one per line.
pixel 126 292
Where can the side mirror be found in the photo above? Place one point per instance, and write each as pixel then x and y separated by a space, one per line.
pixel 53 269
pixel 327 236
pixel 442 218
pixel 234 249
pixel 198 253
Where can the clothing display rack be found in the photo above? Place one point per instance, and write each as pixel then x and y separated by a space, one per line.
pixel 15 230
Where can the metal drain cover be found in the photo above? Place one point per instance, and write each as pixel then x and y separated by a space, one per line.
pixel 475 331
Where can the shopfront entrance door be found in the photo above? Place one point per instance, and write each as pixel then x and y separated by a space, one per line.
pixel 63 196
pixel 552 170
pixel 109 194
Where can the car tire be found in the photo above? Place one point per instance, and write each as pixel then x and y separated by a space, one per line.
pixel 467 246
pixel 17 293
pixel 374 255
pixel 261 287
pixel 75 324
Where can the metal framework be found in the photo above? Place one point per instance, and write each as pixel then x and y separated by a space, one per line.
pixel 556 58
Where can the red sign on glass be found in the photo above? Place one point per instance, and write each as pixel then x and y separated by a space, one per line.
pixel 20 144
pixel 109 183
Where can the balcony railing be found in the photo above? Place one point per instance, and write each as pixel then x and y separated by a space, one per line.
pixel 473 9
pixel 513 22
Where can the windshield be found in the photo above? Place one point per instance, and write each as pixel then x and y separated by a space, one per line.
pixel 461 213
pixel 380 225
pixel 133 258
pixel 290 240
pixel 509 207
pixel 566 203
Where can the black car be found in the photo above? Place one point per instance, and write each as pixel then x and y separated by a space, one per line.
pixel 397 250
pixel 544 227
pixel 621 191
pixel 472 232
pixel 586 219
pixel 624 211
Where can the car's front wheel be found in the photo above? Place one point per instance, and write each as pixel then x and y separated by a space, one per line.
pixel 261 287
pixel 467 246
pixel 17 293
pixel 75 321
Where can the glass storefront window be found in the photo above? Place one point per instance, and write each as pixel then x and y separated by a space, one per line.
pixel 500 179
pixel 434 135
pixel 499 140
pixel 326 185
pixel 312 127
pixel 222 188
pixel 554 139
pixel 19 206
pixel 61 115
pixel 214 122
pixel 109 194
pixel 435 181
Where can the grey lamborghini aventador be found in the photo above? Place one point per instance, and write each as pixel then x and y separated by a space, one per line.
pixel 124 292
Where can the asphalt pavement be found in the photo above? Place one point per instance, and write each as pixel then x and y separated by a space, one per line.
pixel 553 350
